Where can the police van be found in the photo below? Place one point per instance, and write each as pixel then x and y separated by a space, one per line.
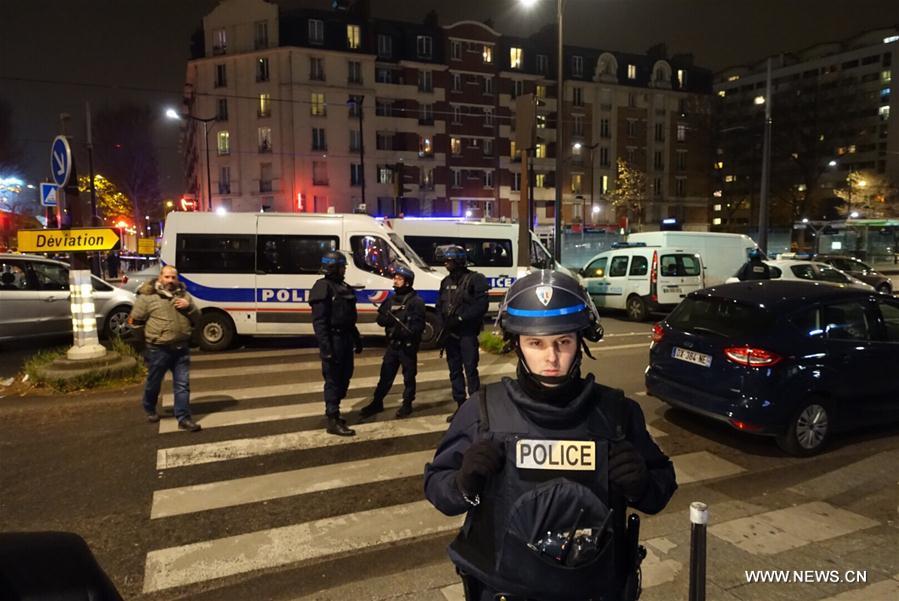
pixel 251 273
pixel 641 279
pixel 492 248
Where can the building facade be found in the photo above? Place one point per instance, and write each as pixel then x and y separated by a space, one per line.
pixel 832 150
pixel 437 128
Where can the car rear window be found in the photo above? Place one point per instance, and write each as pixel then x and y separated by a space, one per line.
pixel 719 316
pixel 680 265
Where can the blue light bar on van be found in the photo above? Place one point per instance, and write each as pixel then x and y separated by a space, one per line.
pixel 628 244
pixel 669 221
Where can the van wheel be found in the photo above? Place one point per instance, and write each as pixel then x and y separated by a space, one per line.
pixel 429 336
pixel 636 308
pixel 808 430
pixel 885 288
pixel 215 332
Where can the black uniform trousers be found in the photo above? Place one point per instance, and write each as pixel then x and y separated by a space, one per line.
pixel 462 358
pixel 405 357
pixel 337 371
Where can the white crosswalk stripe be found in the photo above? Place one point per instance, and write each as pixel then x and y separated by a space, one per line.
pixel 187 458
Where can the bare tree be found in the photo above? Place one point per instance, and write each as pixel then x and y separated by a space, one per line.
pixel 11 150
pixel 125 154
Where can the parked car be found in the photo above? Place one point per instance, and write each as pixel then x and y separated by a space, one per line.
pixel 850 266
pixel 791 269
pixel 794 360
pixel 132 281
pixel 641 279
pixel 34 299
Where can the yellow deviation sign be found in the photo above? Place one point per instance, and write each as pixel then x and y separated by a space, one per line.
pixel 146 246
pixel 82 239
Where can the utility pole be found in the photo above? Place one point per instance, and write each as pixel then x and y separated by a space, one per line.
pixel 560 96
pixel 766 168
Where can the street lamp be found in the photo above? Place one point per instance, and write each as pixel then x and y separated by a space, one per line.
pixel 557 222
pixel 173 114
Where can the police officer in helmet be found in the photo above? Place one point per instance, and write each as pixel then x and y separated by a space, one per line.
pixel 461 305
pixel 402 316
pixel 545 465
pixel 334 322
pixel 755 268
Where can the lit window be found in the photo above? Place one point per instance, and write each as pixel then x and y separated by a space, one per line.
pixel 515 58
pixel 220 46
pixel 890 39
pixel 681 78
pixel 719 165
pixel 541 91
pixel 540 180
pixel 886 76
pixel 632 71
pixel 352 37
pixel 576 182
pixel 884 112
pixel 265 105
pixel 730 178
pixel 681 132
pixel 425 146
pixel 224 142
pixel 265 139
pixel 488 54
pixel 540 152
pixel 722 93
pixel 716 221
pixel 604 184
pixel 733 78
pixel 717 207
pixel 318 104
pixel 456 145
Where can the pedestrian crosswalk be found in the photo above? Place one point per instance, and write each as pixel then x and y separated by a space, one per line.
pixel 263 417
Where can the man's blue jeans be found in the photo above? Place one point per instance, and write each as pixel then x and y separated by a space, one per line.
pixel 159 360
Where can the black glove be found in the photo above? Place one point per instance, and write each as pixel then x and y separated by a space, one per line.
pixel 628 473
pixel 357 347
pixel 482 459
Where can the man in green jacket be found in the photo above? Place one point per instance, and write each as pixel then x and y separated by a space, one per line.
pixel 166 312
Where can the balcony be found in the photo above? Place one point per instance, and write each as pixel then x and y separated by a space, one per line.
pixel 265 185
pixel 224 187
pixel 219 50
pixel 265 147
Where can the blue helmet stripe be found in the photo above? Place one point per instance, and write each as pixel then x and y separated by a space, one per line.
pixel 546 312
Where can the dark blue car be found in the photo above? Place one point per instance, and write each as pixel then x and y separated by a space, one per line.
pixel 793 360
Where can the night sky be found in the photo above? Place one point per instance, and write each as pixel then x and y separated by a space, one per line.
pixel 104 51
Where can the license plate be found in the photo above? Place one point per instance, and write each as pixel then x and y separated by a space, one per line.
pixel 692 356
pixel 671 289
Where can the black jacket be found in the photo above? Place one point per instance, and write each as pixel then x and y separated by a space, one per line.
pixel 463 302
pixel 333 312
pixel 408 309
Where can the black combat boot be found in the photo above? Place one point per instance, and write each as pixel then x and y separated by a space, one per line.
pixel 405 410
pixel 338 427
pixel 372 408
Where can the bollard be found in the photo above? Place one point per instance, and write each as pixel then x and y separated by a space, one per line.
pixel 699 518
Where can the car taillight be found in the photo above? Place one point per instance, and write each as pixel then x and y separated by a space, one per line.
pixel 654 278
pixel 746 427
pixel 658 332
pixel 748 356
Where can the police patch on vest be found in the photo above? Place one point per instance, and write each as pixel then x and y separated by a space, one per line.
pixel 579 455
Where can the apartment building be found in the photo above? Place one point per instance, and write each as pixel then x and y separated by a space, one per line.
pixel 831 108
pixel 436 134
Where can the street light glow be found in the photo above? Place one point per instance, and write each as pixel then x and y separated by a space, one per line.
pixel 528 3
pixel 805 220
pixel 759 100
pixel 221 211
pixel 854 214
pixel 862 183
pixel 577 146
pixel 468 213
pixel 172 114
pixel 596 209
pixel 832 164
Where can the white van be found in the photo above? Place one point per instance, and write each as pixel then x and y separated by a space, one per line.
pixel 722 254
pixel 251 273
pixel 641 279
pixel 492 248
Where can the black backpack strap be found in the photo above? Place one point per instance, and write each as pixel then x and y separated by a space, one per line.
pixel 612 410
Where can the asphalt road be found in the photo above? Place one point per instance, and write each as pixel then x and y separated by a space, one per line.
pixel 259 527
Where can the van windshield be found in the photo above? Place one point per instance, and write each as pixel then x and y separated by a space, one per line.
pixel 408 252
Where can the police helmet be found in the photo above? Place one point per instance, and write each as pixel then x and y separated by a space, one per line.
pixel 332 261
pixel 452 252
pixel 549 303
pixel 402 270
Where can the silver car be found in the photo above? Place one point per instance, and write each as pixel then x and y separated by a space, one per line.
pixel 34 299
